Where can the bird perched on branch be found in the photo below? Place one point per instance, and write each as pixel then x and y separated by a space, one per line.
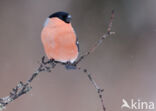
pixel 59 39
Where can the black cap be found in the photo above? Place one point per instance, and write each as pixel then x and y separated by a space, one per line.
pixel 66 17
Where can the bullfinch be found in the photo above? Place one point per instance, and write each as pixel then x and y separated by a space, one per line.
pixel 59 39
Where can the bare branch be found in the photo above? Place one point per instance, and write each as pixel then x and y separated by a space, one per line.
pixel 98 89
pixel 23 88
pixel 92 49
pixel 100 41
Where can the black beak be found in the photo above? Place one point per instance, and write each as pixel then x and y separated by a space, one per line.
pixel 68 19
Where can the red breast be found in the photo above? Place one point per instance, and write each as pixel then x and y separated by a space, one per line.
pixel 59 41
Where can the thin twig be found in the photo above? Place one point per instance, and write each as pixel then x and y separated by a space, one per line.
pixel 99 42
pixel 92 49
pixel 98 89
pixel 23 88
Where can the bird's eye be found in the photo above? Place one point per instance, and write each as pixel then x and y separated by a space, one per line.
pixel 64 17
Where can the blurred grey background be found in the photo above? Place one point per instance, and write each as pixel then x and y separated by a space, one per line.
pixel 124 65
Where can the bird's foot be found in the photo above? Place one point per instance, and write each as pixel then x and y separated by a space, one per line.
pixel 69 65
pixel 47 62
pixel 51 62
